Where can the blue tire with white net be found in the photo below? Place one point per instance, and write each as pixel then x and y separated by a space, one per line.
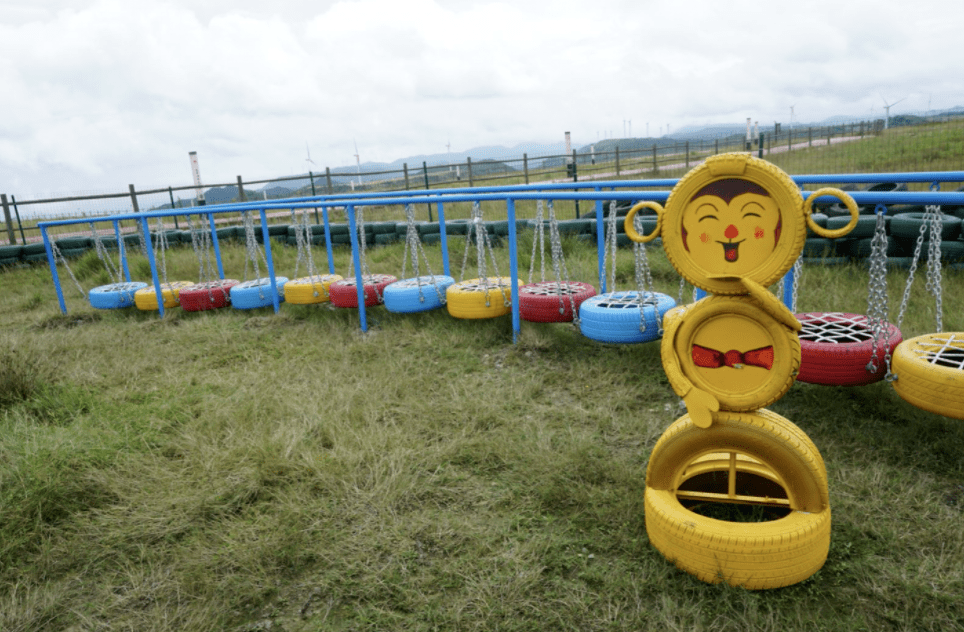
pixel 257 293
pixel 614 317
pixel 115 295
pixel 418 294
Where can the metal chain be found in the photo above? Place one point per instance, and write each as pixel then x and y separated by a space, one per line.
pixel 609 248
pixel 644 281
pixel 58 256
pixel 933 284
pixel 162 246
pixel 877 287
pixel 112 271
pixel 559 266
pixel 414 245
pixel 795 289
pixel 538 240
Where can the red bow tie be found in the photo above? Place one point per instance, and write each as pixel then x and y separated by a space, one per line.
pixel 713 359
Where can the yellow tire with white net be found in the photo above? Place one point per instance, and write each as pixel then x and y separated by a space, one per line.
pixel 310 290
pixel 145 299
pixel 757 459
pixel 488 297
pixel 930 373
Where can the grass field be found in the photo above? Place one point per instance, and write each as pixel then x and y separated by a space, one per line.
pixel 252 471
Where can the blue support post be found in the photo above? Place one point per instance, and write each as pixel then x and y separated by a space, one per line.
pixel 356 258
pixel 269 259
pixel 513 268
pixel 788 290
pixel 601 246
pixel 216 245
pixel 53 269
pixel 149 245
pixel 331 257
pixel 121 250
pixel 443 239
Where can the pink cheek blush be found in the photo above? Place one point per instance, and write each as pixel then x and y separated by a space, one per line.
pixel 704 238
pixel 758 233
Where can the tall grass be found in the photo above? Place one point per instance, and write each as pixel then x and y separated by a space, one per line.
pixel 250 471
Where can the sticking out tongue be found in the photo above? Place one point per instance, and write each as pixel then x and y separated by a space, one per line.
pixel 731 252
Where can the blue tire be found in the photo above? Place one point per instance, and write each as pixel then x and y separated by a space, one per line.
pixel 257 293
pixel 418 294
pixel 614 317
pixel 115 295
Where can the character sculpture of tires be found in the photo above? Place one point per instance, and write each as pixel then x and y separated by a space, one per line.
pixel 732 227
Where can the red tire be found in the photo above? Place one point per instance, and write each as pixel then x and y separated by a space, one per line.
pixel 209 295
pixel 835 348
pixel 344 293
pixel 551 302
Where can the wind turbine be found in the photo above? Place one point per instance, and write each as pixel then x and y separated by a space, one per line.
pixel 791 120
pixel 357 161
pixel 887 107
pixel 308 159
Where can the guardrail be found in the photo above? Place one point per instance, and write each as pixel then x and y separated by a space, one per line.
pixel 441 199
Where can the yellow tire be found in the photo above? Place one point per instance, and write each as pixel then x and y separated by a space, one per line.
pixel 725 327
pixel 930 373
pixel 759 459
pixel 479 298
pixel 309 290
pixel 145 299
pixel 759 258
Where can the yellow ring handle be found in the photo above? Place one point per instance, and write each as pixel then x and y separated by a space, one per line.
pixel 631 230
pixel 843 197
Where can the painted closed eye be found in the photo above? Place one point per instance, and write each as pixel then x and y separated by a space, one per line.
pixel 750 210
pixel 709 210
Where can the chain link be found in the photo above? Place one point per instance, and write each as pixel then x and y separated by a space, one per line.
pixel 113 272
pixel 877 288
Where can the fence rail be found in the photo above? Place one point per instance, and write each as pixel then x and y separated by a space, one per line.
pixel 796 150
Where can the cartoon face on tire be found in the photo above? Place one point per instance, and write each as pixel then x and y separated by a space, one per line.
pixel 734 217
pixel 731 224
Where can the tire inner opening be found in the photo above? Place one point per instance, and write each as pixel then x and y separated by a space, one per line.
pixel 756 499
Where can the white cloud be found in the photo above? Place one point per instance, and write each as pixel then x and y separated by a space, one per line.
pixel 103 93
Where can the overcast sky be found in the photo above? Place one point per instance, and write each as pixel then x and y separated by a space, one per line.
pixel 97 95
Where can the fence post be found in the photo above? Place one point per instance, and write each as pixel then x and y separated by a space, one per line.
pixel 687 154
pixel 617 161
pixel 716 146
pixel 6 216
pixel 170 192
pixel 468 162
pixel 23 239
pixel 328 179
pixel 809 137
pixel 241 196
pixel 829 134
pixel 525 166
pixel 311 176
pixel 655 164
pixel 130 187
pixel 405 170
pixel 425 173
pixel 760 147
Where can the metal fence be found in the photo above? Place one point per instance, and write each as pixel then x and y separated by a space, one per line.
pixel 796 150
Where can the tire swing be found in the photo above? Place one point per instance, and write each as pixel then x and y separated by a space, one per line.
pixel 145 299
pixel 928 370
pixel 210 292
pixel 483 296
pixel 117 294
pixel 344 292
pixel 625 317
pixel 844 349
pixel 311 289
pixel 726 356
pixel 420 293
pixel 256 292
pixel 551 301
